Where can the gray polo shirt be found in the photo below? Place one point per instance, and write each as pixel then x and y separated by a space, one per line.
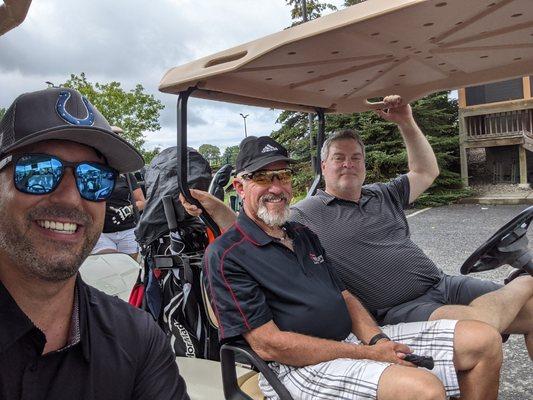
pixel 369 243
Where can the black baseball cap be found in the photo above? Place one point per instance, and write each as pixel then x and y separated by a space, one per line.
pixel 257 152
pixel 64 114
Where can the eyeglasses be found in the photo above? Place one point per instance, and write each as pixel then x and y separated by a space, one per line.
pixel 266 177
pixel 41 174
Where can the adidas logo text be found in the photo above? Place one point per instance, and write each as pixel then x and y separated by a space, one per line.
pixel 268 148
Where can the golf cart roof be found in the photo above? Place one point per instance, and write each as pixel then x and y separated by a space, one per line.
pixel 12 13
pixel 375 48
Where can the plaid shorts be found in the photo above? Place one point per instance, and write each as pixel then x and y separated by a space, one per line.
pixel 346 378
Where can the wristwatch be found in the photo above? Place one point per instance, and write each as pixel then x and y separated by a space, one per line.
pixel 377 338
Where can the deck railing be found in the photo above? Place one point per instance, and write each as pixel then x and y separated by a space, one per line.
pixel 499 125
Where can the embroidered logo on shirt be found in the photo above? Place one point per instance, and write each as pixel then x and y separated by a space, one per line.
pixel 316 259
pixel 268 148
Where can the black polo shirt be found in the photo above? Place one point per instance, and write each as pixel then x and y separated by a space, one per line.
pixel 253 279
pixel 121 354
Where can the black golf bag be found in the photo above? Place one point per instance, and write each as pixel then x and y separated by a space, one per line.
pixel 172 246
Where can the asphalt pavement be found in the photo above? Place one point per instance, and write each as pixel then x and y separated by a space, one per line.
pixel 448 235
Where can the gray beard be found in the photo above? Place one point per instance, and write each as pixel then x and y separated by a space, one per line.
pixel 16 245
pixel 272 219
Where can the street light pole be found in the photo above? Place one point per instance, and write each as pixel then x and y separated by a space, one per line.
pixel 244 119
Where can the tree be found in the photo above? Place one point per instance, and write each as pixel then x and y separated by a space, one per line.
pixel 150 154
pixel 230 155
pixel 2 112
pixel 348 3
pixel 135 111
pixel 211 153
pixel 314 9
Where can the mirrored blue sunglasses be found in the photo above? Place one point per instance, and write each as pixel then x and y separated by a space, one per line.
pixel 41 174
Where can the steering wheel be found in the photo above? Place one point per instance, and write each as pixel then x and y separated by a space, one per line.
pixel 509 245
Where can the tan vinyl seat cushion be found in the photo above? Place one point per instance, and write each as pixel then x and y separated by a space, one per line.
pixel 203 378
pixel 249 384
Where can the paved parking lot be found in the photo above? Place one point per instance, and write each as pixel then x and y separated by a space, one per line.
pixel 449 235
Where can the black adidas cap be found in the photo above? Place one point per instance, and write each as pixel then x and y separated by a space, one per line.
pixel 64 114
pixel 257 152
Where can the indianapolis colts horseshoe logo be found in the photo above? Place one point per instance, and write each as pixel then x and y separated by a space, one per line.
pixel 63 113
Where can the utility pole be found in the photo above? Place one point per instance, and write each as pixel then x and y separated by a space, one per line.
pixel 312 139
pixel 244 119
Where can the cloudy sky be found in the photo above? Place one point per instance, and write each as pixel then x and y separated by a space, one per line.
pixel 137 41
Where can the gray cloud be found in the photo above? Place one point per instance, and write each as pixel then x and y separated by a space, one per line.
pixel 137 41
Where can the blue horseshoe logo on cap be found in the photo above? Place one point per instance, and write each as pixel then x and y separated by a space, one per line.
pixel 64 114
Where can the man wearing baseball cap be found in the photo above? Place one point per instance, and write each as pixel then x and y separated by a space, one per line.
pixel 60 338
pixel 271 283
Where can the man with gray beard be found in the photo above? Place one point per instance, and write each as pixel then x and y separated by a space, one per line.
pixel 271 283
pixel 59 337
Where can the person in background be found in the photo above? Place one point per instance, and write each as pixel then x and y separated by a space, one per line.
pixel 121 216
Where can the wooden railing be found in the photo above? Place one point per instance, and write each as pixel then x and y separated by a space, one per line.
pixel 499 125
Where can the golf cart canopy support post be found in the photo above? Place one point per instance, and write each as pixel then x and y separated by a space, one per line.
pixel 316 159
pixel 182 160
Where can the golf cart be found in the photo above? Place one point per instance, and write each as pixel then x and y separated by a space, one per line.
pixel 338 64
pixel 341 62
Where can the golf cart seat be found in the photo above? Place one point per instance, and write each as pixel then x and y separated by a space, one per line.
pixel 203 378
pixel 246 386
pixel 112 273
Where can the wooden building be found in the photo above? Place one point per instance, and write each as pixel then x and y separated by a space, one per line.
pixel 496 129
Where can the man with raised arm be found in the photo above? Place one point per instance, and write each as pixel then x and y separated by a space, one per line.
pixel 271 282
pixel 366 235
pixel 59 337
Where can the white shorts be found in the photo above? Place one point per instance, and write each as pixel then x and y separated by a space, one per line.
pixel 122 242
pixel 346 378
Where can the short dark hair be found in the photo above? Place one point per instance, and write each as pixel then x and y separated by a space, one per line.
pixel 345 134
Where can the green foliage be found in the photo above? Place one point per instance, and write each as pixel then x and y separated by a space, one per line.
pixel 348 3
pixel 293 134
pixel 314 9
pixel 211 153
pixel 135 111
pixel 150 154
pixel 230 155
pixel 441 197
pixel 303 177
pixel 2 112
